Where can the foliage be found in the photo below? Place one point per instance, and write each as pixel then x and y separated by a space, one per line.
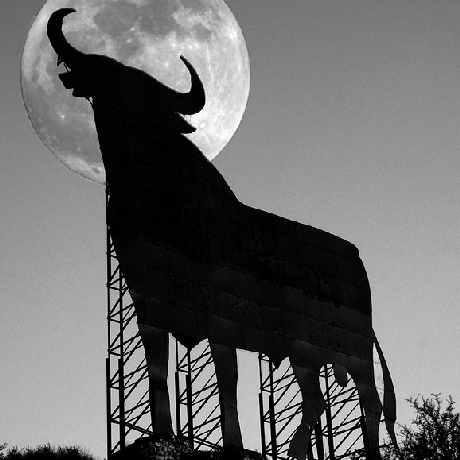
pixel 45 452
pixel 433 435
pixel 169 447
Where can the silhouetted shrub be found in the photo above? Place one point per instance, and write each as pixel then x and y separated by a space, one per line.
pixel 168 447
pixel 46 452
pixel 433 435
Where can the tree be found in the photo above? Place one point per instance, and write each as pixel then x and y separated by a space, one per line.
pixel 434 434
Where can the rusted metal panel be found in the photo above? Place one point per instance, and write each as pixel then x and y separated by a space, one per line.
pixel 220 330
pixel 292 274
pixel 315 237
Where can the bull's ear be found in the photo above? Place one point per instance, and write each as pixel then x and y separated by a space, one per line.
pixel 182 126
pixel 75 81
pixel 69 79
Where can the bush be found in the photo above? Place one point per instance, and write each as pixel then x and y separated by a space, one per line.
pixel 433 435
pixel 169 447
pixel 45 452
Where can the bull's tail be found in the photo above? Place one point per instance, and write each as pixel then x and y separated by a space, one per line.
pixel 389 399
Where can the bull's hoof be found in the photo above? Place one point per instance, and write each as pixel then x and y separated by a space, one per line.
pixel 298 447
pixel 235 453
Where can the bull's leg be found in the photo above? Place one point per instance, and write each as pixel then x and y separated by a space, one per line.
pixel 313 406
pixel 156 344
pixel 225 362
pixel 363 375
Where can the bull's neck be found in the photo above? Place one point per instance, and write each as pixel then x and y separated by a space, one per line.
pixel 153 158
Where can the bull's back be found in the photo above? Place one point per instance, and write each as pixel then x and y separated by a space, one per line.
pixel 215 268
pixel 202 265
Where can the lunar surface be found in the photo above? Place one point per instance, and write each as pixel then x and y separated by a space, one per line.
pixel 149 35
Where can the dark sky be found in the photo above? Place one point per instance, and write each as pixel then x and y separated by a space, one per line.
pixel 352 126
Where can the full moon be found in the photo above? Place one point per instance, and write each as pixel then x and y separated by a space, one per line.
pixel 149 35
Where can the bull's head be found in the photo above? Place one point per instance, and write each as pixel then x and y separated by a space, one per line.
pixel 80 65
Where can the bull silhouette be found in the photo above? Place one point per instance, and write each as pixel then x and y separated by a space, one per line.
pixel 201 265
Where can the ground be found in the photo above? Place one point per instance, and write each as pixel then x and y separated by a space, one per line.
pixel 163 447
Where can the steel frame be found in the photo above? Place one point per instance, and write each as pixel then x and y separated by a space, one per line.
pixel 197 413
pixel 127 405
pixel 339 434
pixel 197 397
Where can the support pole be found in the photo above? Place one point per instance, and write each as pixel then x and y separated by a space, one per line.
pixel 108 408
pixel 262 428
pixel 126 371
pixel 319 440
pixel 121 394
pixel 330 433
pixel 107 361
pixel 177 387
pixel 362 422
pixel 310 452
pixel 272 415
pixel 189 399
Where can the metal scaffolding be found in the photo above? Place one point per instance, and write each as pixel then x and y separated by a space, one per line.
pixel 338 434
pixel 197 414
pixel 197 397
pixel 128 410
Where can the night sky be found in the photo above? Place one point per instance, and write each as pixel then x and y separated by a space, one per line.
pixel 352 126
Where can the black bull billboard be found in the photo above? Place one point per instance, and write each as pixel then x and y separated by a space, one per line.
pixel 199 264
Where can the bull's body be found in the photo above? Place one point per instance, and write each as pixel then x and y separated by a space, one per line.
pixel 201 265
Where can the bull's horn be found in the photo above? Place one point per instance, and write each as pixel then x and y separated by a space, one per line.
pixel 185 103
pixel 194 100
pixel 66 53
